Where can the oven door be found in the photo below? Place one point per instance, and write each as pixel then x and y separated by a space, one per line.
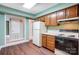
pixel 60 43
pixel 71 46
pixel 68 45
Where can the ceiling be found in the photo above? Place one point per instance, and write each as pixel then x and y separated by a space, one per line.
pixel 18 6
pixel 37 8
pixel 41 7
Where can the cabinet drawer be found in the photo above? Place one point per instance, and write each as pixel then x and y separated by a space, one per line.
pixel 49 42
pixel 51 47
pixel 50 36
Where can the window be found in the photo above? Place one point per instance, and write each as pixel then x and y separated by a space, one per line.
pixel 7 27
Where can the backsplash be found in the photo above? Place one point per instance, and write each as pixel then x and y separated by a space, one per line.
pixel 56 32
pixel 60 27
pixel 54 29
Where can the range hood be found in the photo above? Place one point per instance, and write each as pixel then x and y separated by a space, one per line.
pixel 69 19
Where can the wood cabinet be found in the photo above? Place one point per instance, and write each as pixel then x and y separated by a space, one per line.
pixel 44 40
pixel 51 42
pixel 41 18
pixel 72 12
pixel 53 19
pixel 61 14
pixel 50 20
pixel 48 41
pixel 47 20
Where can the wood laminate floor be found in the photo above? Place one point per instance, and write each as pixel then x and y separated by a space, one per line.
pixel 25 49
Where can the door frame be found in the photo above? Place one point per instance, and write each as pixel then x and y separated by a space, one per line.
pixel 5 44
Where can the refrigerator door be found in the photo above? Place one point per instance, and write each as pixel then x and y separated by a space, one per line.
pixel 36 25
pixel 38 29
pixel 36 37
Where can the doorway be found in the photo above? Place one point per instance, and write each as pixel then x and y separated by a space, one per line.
pixel 14 30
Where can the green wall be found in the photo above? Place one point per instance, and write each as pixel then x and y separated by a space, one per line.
pixel 2 29
pixel 27 29
pixel 9 10
pixel 55 27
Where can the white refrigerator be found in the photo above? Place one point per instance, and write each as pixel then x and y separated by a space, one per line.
pixel 38 29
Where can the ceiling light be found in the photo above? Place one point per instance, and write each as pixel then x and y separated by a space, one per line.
pixel 28 5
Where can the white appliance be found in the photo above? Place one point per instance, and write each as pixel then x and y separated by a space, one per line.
pixel 38 29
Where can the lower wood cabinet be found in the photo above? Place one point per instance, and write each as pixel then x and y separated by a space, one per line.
pixel 48 41
pixel 44 41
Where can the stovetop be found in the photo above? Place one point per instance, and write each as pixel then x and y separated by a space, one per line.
pixel 69 35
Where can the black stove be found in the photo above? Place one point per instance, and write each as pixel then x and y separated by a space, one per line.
pixel 69 45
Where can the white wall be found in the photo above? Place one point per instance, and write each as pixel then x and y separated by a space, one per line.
pixel 30 29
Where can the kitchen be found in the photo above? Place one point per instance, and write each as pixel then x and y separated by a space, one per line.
pixel 62 30
pixel 56 29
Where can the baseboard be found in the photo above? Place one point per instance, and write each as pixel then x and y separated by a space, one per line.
pixel 1 47
pixel 14 43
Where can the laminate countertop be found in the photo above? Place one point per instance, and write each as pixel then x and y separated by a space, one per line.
pixel 65 35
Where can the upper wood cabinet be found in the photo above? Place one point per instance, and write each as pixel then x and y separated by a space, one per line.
pixel 53 19
pixel 72 12
pixel 47 20
pixel 42 19
pixel 61 14
pixel 50 20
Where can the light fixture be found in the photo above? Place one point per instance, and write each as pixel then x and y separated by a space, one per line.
pixel 28 5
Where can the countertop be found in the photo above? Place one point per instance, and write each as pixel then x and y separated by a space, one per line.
pixel 57 35
pixel 51 34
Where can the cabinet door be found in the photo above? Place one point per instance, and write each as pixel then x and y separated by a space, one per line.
pixel 71 12
pixel 51 42
pixel 44 40
pixel 61 14
pixel 53 20
pixel 47 20
pixel 42 19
